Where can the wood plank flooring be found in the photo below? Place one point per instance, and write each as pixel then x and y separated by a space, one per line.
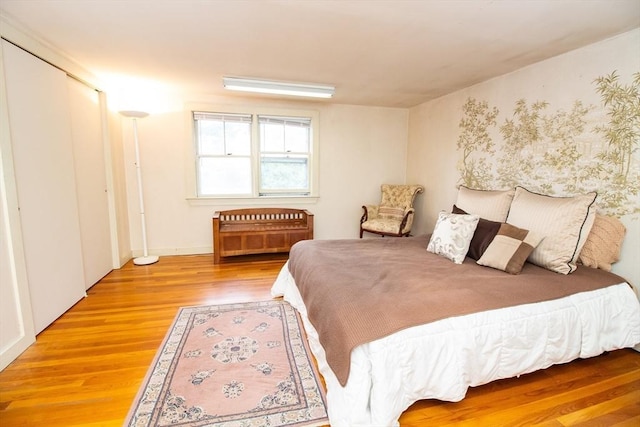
pixel 86 368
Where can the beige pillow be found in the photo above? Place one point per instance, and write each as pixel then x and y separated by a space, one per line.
pixel 564 222
pixel 488 204
pixel 603 244
pixel 509 250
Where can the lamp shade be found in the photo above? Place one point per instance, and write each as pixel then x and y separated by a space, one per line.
pixel 134 114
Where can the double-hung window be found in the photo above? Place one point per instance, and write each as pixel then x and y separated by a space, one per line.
pixel 285 144
pixel 255 154
pixel 223 146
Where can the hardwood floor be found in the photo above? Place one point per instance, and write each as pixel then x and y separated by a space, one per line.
pixel 86 368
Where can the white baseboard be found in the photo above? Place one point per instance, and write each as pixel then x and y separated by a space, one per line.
pixel 14 349
pixel 124 258
pixel 176 251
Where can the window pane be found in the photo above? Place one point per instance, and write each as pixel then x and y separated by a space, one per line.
pixel 210 135
pixel 224 175
pixel 284 134
pixel 297 139
pixel 272 137
pixel 238 138
pixel 284 173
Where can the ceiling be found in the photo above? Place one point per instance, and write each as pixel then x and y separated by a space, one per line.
pixel 396 53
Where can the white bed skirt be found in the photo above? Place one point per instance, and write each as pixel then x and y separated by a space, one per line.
pixel 441 360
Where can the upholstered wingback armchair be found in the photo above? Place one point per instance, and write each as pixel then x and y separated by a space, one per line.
pixel 394 215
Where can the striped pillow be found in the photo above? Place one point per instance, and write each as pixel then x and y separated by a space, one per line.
pixel 564 222
pixel 389 212
pixel 488 204
pixel 510 249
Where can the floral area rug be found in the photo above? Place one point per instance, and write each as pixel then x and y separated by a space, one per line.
pixel 232 365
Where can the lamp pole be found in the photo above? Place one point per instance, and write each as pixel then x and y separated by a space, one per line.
pixel 145 259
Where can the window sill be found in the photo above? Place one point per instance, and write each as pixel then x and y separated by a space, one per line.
pixel 253 201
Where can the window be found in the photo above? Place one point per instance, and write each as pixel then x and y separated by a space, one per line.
pixel 254 154
pixel 284 155
pixel 223 146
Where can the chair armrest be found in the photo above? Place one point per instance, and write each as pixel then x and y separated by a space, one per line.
pixel 370 212
pixel 407 221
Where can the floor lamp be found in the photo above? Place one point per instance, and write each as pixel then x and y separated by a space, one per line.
pixel 145 259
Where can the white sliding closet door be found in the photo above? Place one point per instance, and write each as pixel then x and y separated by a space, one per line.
pixel 40 126
pixel 91 181
pixel 16 317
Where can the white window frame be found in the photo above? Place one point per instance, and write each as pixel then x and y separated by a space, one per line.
pixel 262 118
pixel 225 118
pixel 255 197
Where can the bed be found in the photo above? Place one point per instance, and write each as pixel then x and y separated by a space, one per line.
pixel 391 322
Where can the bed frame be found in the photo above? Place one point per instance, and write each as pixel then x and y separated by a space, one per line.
pixel 259 231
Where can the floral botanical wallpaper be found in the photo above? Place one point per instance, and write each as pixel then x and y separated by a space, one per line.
pixel 558 152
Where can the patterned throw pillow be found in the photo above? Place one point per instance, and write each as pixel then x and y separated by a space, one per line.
pixel 389 212
pixel 452 235
pixel 510 249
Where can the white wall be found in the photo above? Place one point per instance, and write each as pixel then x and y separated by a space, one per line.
pixel 434 126
pixel 360 148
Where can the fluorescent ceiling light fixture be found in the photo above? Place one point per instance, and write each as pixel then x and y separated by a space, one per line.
pixel 278 88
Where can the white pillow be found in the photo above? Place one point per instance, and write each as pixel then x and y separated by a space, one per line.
pixel 452 235
pixel 488 204
pixel 565 223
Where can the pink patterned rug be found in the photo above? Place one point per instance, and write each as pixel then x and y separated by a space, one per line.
pixel 232 365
